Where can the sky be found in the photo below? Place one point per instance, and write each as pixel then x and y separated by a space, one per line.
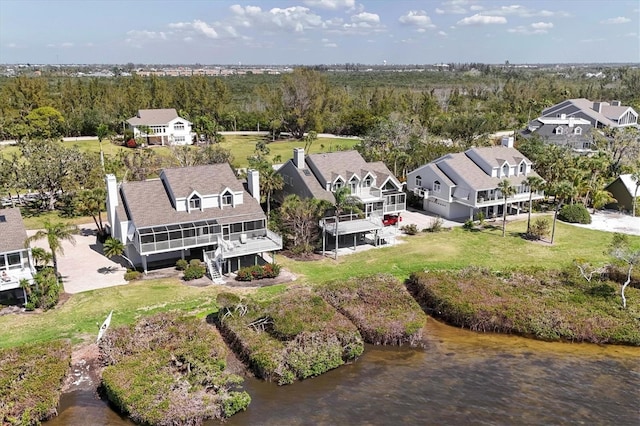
pixel 308 32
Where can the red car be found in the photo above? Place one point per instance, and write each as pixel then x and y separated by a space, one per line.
pixel 391 219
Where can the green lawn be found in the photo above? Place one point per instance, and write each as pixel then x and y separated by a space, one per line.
pixel 81 315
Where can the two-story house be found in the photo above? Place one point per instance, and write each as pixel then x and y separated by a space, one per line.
pixel 161 127
pixel 16 262
pixel 599 114
pixel 572 132
pixel 321 175
pixel 201 211
pixel 460 185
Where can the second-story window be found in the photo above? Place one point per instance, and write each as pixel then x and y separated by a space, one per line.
pixel 195 203
pixel 338 184
pixel 577 131
pixel 505 170
pixel 178 126
pixel 558 130
pixel 227 199
pixel 353 185
pixel 436 186
pixel 367 182
pixel 522 168
pixel 418 180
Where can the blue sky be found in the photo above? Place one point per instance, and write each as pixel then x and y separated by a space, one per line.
pixel 319 31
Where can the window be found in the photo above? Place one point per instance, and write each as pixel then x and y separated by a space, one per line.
pixel 353 185
pixel 436 186
pixel 178 126
pixel 227 199
pixel 195 202
pixel 577 131
pixel 558 130
pixel 338 184
pixel 522 168
pixel 368 181
pixel 179 139
pixel 505 170
pixel 419 181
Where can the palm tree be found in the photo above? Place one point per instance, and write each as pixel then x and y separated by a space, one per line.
pixel 91 202
pixel 507 190
pixel 55 233
pixel 345 201
pixel 270 181
pixel 601 198
pixel 535 184
pixel 41 257
pixel 562 191
pixel 114 247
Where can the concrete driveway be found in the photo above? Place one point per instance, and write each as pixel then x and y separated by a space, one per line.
pixel 83 266
pixel 424 219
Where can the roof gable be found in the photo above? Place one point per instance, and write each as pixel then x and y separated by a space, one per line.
pixel 12 230
pixel 206 180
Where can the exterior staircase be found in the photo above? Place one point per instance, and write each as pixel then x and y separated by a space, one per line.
pixel 213 266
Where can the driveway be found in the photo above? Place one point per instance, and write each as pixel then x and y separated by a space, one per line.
pixel 613 221
pixel 424 219
pixel 83 266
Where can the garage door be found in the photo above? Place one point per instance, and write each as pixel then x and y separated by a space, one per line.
pixel 437 207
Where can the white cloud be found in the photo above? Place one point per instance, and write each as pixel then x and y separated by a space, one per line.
pixel 475 7
pixel 66 44
pixel 442 33
pixel 631 34
pixel 367 17
pixel 12 45
pixel 137 38
pixel 524 12
pixel 542 25
pixel 204 29
pixel 331 4
pixel 479 19
pixel 417 18
pixel 535 28
pixel 618 20
pixel 291 19
pixel 457 7
pixel 330 45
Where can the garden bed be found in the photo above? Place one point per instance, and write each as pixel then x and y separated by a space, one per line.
pixel 548 305
pixel 169 370
pixel 294 335
pixel 31 379
pixel 380 307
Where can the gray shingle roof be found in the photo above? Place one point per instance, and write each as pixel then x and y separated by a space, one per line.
pixel 206 180
pixel 12 231
pixel 148 204
pixel 606 116
pixel 150 117
pixel 346 164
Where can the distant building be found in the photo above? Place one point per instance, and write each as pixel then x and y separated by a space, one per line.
pixel 572 132
pixel 161 127
pixel 599 114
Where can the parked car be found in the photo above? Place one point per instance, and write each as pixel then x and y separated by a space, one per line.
pixel 391 219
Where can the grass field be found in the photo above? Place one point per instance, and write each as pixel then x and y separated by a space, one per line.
pixel 81 315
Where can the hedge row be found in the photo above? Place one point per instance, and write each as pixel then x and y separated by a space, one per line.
pixel 31 379
pixel 546 305
pixel 381 308
pixel 169 370
pixel 295 335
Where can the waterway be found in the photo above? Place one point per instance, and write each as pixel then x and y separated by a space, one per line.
pixel 459 377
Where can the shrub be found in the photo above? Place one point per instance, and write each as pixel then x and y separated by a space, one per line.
pixel 574 213
pixel 480 217
pixel 468 224
pixel 435 226
pixel 132 275
pixel 539 228
pixel 181 265
pixel 257 272
pixel 195 270
pixel 131 143
pixel 46 291
pixel 411 229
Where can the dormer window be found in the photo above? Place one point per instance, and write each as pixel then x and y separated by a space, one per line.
pixel 523 168
pixel 436 186
pixel 577 131
pixel 338 184
pixel 195 203
pixel 505 170
pixel 558 130
pixel 353 185
pixel 227 199
pixel 367 182
pixel 419 181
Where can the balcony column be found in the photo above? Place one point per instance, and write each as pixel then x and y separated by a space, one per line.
pixel 144 263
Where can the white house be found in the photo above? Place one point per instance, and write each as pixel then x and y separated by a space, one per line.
pixel 16 263
pixel 460 185
pixel 161 127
